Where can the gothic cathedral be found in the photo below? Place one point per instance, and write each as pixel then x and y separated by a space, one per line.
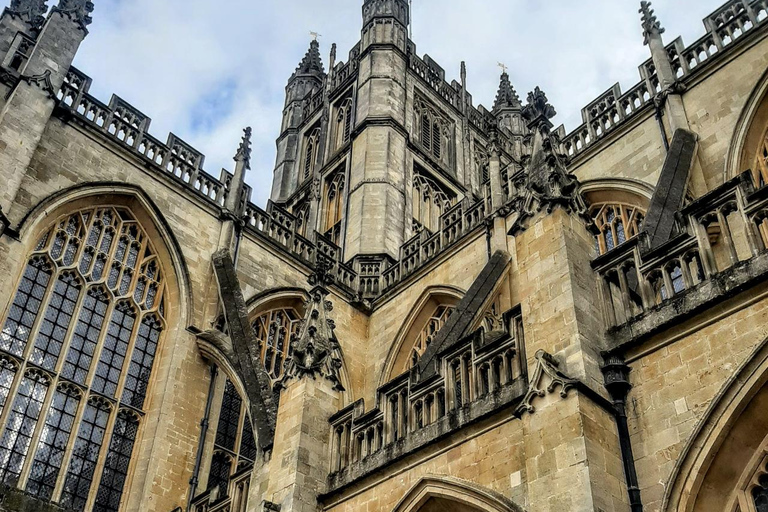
pixel 442 308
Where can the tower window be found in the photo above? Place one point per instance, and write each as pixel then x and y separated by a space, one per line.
pixel 430 201
pixel 433 131
pixel 344 123
pixel 334 201
pixel 311 145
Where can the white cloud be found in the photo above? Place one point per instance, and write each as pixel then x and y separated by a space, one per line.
pixel 204 69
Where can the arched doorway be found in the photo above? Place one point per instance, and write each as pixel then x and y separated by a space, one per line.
pixel 447 494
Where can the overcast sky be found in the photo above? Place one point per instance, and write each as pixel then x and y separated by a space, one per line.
pixel 204 69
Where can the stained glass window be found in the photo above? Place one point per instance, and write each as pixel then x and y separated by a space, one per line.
pixel 91 302
pixel 229 419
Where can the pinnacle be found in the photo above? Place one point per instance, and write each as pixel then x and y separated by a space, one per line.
pixel 507 96
pixel 650 22
pixel 33 11
pixel 312 63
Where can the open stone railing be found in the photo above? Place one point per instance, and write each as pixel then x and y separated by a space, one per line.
pixel 725 28
pixel 410 414
pixel 232 498
pixel 128 127
pixel 716 233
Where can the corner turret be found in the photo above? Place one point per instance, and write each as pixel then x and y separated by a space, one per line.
pixel 386 22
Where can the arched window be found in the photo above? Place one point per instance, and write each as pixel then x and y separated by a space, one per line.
pixel 432 131
pixel 274 330
pixel 334 201
pixel 77 349
pixel 617 223
pixel 430 330
pixel 302 219
pixel 234 443
pixel 430 201
pixel 343 122
pixel 760 168
pixel 311 145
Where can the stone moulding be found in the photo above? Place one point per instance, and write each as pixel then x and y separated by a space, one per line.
pixel 546 366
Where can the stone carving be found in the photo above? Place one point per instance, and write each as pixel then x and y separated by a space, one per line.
pixel 651 25
pixel 506 97
pixel 42 81
pixel 546 366
pixel 78 10
pixel 31 11
pixel 244 151
pixel 316 350
pixel 548 184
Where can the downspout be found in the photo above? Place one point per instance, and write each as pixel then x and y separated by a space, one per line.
pixel 616 374
pixel 201 445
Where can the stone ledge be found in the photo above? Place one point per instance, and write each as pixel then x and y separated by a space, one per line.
pixel 16 500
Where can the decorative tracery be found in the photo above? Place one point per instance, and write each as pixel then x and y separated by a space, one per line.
pixel 617 223
pixel 311 146
pixel 274 330
pixel 430 201
pixel 427 335
pixel 432 131
pixel 334 201
pixel 77 347
pixel 343 122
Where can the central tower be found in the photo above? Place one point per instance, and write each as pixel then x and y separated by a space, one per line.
pixel 378 172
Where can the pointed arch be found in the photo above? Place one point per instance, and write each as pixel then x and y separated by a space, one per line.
pixel 750 132
pixel 435 491
pixel 727 446
pixel 420 313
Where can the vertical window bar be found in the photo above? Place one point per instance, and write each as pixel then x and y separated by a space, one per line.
pixel 21 425
pixel 141 362
pixel 115 347
pixel 55 324
pixel 118 460
pixel 86 336
pixel 221 467
pixel 226 432
pixel 53 442
pixel 25 307
pixel 8 369
pixel 90 436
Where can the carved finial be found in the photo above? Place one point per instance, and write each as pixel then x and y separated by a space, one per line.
pixel 651 25
pixel 333 56
pixel 31 11
pixel 312 63
pixel 79 10
pixel 506 97
pixel 538 111
pixel 244 151
pixel 321 275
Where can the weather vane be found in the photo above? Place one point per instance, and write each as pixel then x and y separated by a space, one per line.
pixel 502 66
pixel 315 35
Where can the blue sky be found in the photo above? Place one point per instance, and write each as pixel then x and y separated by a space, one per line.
pixel 204 69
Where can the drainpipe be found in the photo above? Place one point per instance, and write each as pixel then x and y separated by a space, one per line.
pixel 201 445
pixel 616 374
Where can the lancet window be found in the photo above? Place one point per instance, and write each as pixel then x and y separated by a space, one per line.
pixel 343 122
pixel 432 131
pixel 617 223
pixel 234 447
pixel 761 162
pixel 77 348
pixel 427 335
pixel 302 219
pixel 334 203
pixel 274 330
pixel 311 147
pixel 430 201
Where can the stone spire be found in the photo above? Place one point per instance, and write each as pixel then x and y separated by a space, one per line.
pixel 651 25
pixel 316 350
pixel 312 63
pixel 31 11
pixel 507 96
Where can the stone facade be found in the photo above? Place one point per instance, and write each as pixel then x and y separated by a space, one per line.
pixel 442 307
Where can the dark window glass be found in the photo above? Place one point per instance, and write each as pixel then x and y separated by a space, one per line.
pixel 53 443
pixel 114 350
pixel 20 426
pixel 141 362
pixel 55 324
pixel 116 466
pixel 221 467
pixel 77 485
pixel 226 433
pixel 247 442
pixel 25 307
pixel 7 373
pixel 86 336
pixel 760 495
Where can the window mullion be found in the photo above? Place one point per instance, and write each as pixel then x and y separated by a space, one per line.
pixel 103 449
pixel 75 317
pixel 44 303
pixel 128 356
pixel 43 417
pixel 12 393
pixel 100 342
pixel 70 448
